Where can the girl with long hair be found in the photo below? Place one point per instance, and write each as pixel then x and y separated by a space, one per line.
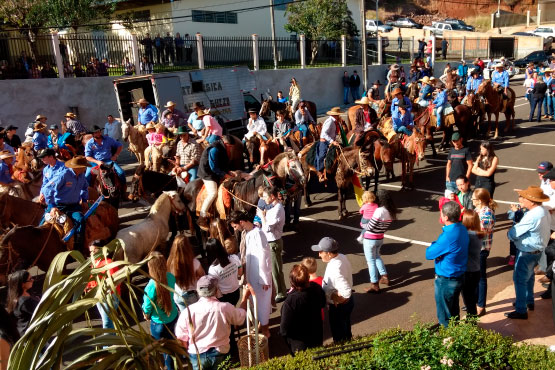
pixel 471 221
pixel 485 207
pixel 227 268
pixel 373 239
pixel 186 269
pixel 20 302
pixel 485 166
pixel 158 306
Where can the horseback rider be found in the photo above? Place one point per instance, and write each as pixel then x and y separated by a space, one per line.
pixel 3 145
pixel 48 157
pixel 366 117
pixel 74 126
pixel 330 130
pixel 500 81
pixel 6 181
pixel 440 102
pixel 212 129
pixel 425 96
pixel 302 119
pixel 473 83
pixel 256 125
pixel 398 96
pixel 213 168
pixel 40 141
pixel 69 193
pixel 187 155
pixel 55 140
pixel 403 123
pixel 282 130
pixel 374 94
pixel 99 150
pixel 147 112
pixel 393 82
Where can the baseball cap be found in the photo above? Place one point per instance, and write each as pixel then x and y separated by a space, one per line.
pixel 544 166
pixel 550 175
pixel 206 285
pixel 326 244
pixel 456 136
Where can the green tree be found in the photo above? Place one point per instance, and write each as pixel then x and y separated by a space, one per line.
pixel 24 15
pixel 62 14
pixel 320 20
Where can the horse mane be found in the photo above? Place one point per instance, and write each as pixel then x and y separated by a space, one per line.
pixel 159 203
pixel 280 157
pixel 248 191
pixel 5 238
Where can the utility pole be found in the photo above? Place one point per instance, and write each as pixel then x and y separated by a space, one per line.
pixel 274 42
pixel 363 48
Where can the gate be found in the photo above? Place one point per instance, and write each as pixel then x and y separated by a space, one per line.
pixel 502 47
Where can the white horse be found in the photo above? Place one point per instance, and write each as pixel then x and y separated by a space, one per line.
pixel 136 135
pixel 140 239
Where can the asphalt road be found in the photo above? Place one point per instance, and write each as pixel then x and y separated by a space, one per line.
pixel 410 298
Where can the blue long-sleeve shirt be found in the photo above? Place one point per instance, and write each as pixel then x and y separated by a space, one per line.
pixel 103 151
pixel 450 251
pixel 39 141
pixel 70 188
pixel 473 83
pixel 441 98
pixel 532 233
pixel 148 114
pixel 462 71
pixel 402 120
pixel 395 109
pixel 501 78
pixel 426 92
pixel 5 175
pixel 213 162
pixel 49 181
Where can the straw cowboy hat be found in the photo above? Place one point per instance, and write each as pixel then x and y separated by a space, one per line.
pixel 169 104
pixel 363 101
pixel 142 101
pixel 206 112
pixel 425 80
pixel 78 162
pixel 547 70
pixel 39 117
pixel 6 154
pixel 335 111
pixel 150 126
pixel 499 65
pixel 534 194
pixel 397 91
pixel 70 115
pixel 39 126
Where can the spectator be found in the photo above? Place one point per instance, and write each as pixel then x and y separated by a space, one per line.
pixel 48 71
pixel 170 51
pixel 421 47
pixel 101 67
pixel 444 45
pixel 227 268
pixel 471 221
pixel 34 71
pixel 464 195
pixel 369 205
pixel 68 70
pixel 79 72
pixel 338 285
pixel 187 156
pixel 11 138
pixel 515 214
pixel 450 252
pixel 400 41
pixel 206 326
pixel 485 207
pixel 20 303
pixel 20 72
pixel 543 168
pixel 146 66
pixel 26 61
pixel 188 48
pixel 128 67
pixel 147 43
pixel 550 249
pixel 459 162
pixel 112 128
pixel 462 71
pixel 346 87
pixel 354 83
pixel 159 45
pixel 485 166
pixel 91 70
pixel 179 45
pixel 158 306
pixel 257 266
pixel 301 319
pixel 530 236
pixel 538 95
pixel 548 108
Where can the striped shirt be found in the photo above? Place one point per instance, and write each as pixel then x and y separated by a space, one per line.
pixel 378 224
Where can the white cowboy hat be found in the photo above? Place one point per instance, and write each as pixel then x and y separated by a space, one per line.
pixel 169 104
pixel 335 111
pixel 363 101
pixel 499 65
pixel 6 154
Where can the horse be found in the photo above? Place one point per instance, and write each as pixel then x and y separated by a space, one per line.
pixel 270 105
pixel 384 155
pixel 140 239
pixel 494 105
pixel 146 182
pixel 11 214
pixel 261 150
pixel 409 150
pixel 136 136
pixel 108 184
pixel 412 91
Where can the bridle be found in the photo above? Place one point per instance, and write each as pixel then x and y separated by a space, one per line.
pixel 175 209
pixel 111 189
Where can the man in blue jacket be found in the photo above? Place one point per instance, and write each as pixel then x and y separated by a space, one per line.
pixel 440 103
pixel 147 112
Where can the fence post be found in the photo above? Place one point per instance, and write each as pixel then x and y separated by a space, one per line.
pixel 200 52
pixel 380 46
pixel 255 56
pixel 411 49
pixel 527 18
pixel 302 50
pixel 489 47
pixel 539 16
pixel 492 20
pixel 343 50
pixel 433 50
pixel 135 50
pixel 463 47
pixel 57 54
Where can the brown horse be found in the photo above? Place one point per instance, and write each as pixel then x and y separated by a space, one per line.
pixel 410 150
pixel 136 136
pixel 494 105
pixel 10 211
pixel 261 151
pixel 270 105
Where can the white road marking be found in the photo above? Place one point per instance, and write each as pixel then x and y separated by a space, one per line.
pixel 508 167
pixel 538 128
pixel 518 142
pixel 357 229
pixel 521 105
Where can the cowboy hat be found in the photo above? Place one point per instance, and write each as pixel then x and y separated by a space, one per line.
pixel 150 126
pixel 363 101
pixel 6 154
pixel 182 130
pixel 335 111
pixel 534 194
pixel 11 127
pixel 499 65
pixel 395 67
pixel 142 101
pixel 78 162
pixel 432 78
pixel 70 115
pixel 39 117
pixel 397 91
pixel 39 126
pixel 547 70
pixel 402 104
pixel 169 104
pixel 252 110
pixel 204 112
pixel 96 128
pixel 425 80
pixel 377 82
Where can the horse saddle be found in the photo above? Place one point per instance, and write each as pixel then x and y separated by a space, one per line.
pixel 448 115
pixel 386 128
pixel 223 200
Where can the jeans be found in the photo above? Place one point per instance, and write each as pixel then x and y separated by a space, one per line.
pixel 192 173
pixel 439 114
pixel 321 154
pixel 159 331
pixel 447 293
pixel 536 102
pixel 187 298
pixel 549 105
pixel 345 95
pixel 293 203
pixel 470 291
pixel 103 309
pixel 73 211
pixel 209 360
pixel 523 278
pixel 119 171
pixel 372 253
pixel 340 320
pixel 303 129
pixel 355 93
pixel 483 286
pixel 212 138
pixel 277 267
pixel 404 130
pixel 451 185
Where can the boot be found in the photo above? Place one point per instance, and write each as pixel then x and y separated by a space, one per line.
pixel 203 222
pixel 373 288
pixel 384 280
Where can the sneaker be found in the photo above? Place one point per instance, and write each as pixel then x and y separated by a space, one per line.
pixel 512 260
pixel 360 239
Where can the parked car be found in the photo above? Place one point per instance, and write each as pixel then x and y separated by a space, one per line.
pixel 509 67
pixel 405 23
pixel 460 23
pixel 536 57
pixel 547 42
pixel 437 28
pixel 545 32
pixel 371 26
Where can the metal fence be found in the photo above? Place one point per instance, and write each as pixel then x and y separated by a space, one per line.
pixel 21 57
pixel 168 56
pixel 226 51
pixel 288 52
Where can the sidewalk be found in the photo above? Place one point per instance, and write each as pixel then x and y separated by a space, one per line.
pixel 538 329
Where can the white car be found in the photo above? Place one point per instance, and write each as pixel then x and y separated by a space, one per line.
pixel 509 67
pixel 371 26
pixel 545 32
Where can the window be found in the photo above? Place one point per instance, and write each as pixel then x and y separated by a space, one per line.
pixel 281 4
pixel 207 16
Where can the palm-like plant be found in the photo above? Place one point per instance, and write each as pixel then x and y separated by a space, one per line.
pixel 52 339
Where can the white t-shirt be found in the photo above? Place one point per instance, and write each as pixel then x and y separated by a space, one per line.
pixel 228 280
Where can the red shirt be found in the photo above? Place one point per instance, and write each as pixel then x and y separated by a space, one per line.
pixel 99 263
pixel 320 281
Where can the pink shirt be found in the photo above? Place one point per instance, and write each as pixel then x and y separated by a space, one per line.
pixel 213 125
pixel 212 322
pixel 154 139
pixel 367 210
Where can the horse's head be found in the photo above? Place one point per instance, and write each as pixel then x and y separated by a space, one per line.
pixel 294 168
pixel 419 144
pixel 220 230
pixel 125 128
pixel 177 205
pixel 484 87
pixel 108 181
pixel 265 108
pixel 136 183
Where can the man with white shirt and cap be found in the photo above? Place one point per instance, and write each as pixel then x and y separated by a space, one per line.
pixel 543 168
pixel 256 125
pixel 338 285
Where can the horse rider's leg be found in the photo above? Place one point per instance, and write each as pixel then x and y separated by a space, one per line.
pixel 211 194
pixel 496 126
pixel 88 173
pixel 148 162
pixel 307 200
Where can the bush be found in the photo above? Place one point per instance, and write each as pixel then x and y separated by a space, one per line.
pixel 463 345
